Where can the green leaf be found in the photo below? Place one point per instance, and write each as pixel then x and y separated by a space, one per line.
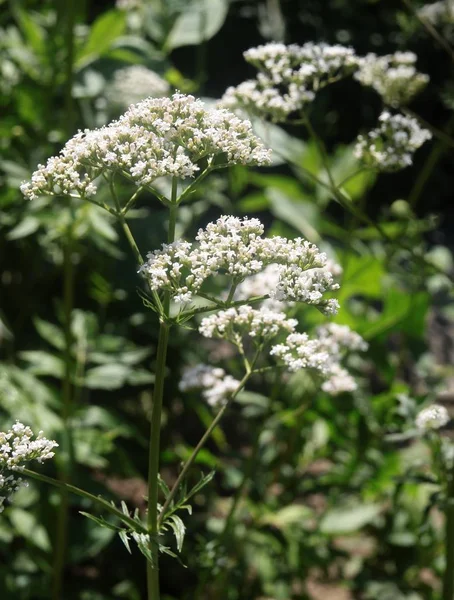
pixel 50 332
pixel 199 22
pixel 104 31
pixel 301 214
pixel 43 363
pixel 26 227
pixel 125 539
pixel 107 377
pixel 293 515
pixel 33 33
pixel 179 530
pixel 100 521
pixel 28 527
pixel 348 520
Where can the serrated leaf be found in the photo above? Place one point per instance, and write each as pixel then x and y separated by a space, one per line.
pixel 163 485
pixel 199 22
pixel 179 530
pixel 100 521
pixel 125 539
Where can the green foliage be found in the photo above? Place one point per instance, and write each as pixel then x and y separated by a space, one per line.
pixel 309 489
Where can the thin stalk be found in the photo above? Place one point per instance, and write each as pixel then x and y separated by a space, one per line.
pixel 199 446
pixel 348 205
pixel 65 472
pixel 155 426
pixel 66 469
pixel 431 30
pixel 448 576
pixel 120 214
pixel 425 173
pixel 441 135
pixel 83 494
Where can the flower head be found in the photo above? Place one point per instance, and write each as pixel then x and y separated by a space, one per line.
pixel 215 384
pixel 235 247
pixel 391 145
pixel 19 446
pixel 155 138
pixel 322 353
pixel 393 76
pixel 234 324
pixel 289 77
pixel 434 416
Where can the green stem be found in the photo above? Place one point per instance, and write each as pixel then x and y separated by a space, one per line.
pixel 349 206
pixel 425 173
pixel 448 576
pixel 431 30
pixel 155 426
pixel 199 446
pixel 441 135
pixel 135 525
pixel 66 469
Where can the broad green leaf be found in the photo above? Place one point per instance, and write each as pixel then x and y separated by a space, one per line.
pixel 348 520
pixel 26 227
pixel 104 31
pixel 50 332
pixel 294 515
pixel 301 214
pixel 27 526
pixel 34 34
pixel 199 22
pixel 107 377
pixel 43 363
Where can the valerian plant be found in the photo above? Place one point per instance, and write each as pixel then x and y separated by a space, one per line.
pixel 178 139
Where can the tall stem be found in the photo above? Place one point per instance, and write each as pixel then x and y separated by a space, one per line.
pixel 201 443
pixel 155 427
pixel 448 577
pixel 66 468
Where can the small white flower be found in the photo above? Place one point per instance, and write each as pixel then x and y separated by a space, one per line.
pixel 288 77
pixel 216 385
pixel 393 76
pixel 432 417
pixel 234 324
pixel 155 138
pixel 17 448
pixel 391 145
pixel 235 247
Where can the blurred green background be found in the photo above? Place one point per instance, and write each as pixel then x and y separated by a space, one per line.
pixel 341 503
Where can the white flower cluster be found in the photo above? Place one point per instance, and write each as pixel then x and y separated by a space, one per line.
pixel 132 84
pixel 323 353
pixel 236 247
pixel 289 77
pixel 432 417
pixel 263 283
pixel 438 13
pixel 393 76
pixel 234 324
pixel 391 145
pixel 215 384
pixel 17 448
pixel 154 138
